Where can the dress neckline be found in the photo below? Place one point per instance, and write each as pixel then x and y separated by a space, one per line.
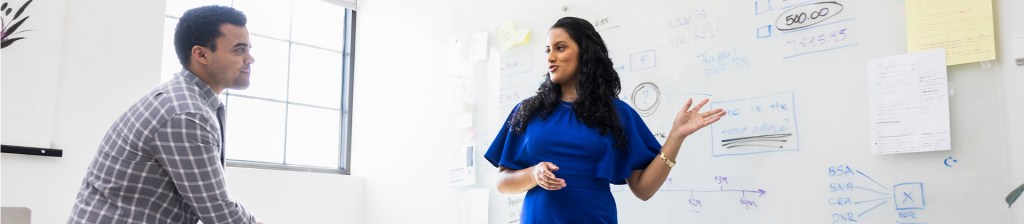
pixel 567 105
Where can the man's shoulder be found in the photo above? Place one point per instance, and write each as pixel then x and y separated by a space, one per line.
pixel 176 96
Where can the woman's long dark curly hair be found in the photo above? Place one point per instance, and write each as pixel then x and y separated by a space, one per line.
pixel 597 85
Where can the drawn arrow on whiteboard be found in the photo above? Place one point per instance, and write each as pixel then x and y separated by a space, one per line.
pixel 760 192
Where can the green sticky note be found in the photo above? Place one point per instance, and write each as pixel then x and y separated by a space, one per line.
pixel 1014 195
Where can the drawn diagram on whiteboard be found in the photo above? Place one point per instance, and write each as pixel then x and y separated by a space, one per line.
pixel 806 27
pixel 748 198
pixel 855 195
pixel 646 97
pixel 807 15
pixel 516 83
pixel 756 125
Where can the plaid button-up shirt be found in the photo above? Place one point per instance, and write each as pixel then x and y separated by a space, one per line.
pixel 162 162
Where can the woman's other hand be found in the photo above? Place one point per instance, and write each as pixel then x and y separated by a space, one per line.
pixel 543 174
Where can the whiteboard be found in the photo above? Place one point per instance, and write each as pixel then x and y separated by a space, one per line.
pixel 813 78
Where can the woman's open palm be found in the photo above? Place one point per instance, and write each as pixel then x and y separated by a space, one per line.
pixel 689 120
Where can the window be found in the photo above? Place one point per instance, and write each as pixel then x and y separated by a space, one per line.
pixel 295 115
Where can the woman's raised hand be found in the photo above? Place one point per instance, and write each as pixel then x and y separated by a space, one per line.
pixel 689 120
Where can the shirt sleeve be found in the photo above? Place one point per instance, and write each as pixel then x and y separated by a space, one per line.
pixel 642 147
pixel 189 151
pixel 507 148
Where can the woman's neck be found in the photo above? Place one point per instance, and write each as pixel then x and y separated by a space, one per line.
pixel 569 92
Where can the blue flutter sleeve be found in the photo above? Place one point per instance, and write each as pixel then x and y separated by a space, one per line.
pixel 641 149
pixel 507 148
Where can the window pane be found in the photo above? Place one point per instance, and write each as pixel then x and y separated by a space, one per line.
pixel 297 44
pixel 170 64
pixel 269 77
pixel 319 23
pixel 255 130
pixel 266 17
pixel 313 136
pixel 315 77
pixel 177 7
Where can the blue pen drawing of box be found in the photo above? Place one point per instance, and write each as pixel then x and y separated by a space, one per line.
pixel 908 195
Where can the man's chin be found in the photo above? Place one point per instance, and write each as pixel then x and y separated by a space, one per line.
pixel 240 86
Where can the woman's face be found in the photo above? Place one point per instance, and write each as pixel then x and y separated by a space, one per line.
pixel 563 57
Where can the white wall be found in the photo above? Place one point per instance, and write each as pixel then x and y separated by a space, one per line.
pixel 1013 80
pixel 110 56
pixel 400 132
pixel 29 70
pixel 298 197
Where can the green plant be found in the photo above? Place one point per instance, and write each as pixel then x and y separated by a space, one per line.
pixel 1014 195
pixel 8 31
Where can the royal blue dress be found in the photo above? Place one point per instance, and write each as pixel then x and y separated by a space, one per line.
pixel 587 160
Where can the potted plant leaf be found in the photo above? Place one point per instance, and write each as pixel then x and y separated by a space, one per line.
pixel 1014 195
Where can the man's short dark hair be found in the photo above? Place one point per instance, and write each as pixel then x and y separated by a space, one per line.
pixel 201 26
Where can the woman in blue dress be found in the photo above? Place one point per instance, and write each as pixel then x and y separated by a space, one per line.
pixel 565 145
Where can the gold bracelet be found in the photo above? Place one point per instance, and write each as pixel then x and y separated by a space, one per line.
pixel 667 162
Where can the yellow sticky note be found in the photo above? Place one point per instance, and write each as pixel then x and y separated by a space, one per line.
pixel 509 36
pixel 963 27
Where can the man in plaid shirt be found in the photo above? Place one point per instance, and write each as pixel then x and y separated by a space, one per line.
pixel 163 160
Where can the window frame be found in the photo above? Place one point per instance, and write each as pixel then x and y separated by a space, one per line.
pixel 345 120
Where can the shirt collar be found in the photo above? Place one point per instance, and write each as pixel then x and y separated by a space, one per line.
pixel 205 92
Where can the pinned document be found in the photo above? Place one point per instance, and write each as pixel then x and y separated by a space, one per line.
pixel 963 27
pixel 908 103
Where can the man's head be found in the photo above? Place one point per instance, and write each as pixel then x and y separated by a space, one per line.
pixel 213 43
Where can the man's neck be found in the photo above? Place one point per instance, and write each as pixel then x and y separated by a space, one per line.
pixel 203 75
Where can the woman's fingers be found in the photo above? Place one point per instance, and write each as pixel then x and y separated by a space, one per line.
pixel 551 166
pixel 713 119
pixel 546 179
pixel 712 112
pixel 552 183
pixel 554 187
pixel 699 105
pixel 711 116
pixel 686 107
pixel 719 114
pixel 551 180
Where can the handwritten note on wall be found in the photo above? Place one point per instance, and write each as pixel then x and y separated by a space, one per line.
pixel 909 103
pixel 509 36
pixel 756 125
pixel 963 27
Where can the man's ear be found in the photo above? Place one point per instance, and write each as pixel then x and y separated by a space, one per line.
pixel 199 53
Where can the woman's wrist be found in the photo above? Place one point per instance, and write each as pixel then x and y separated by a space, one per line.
pixel 670 162
pixel 675 137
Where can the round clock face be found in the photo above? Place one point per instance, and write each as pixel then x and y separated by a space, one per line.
pixel 645 98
